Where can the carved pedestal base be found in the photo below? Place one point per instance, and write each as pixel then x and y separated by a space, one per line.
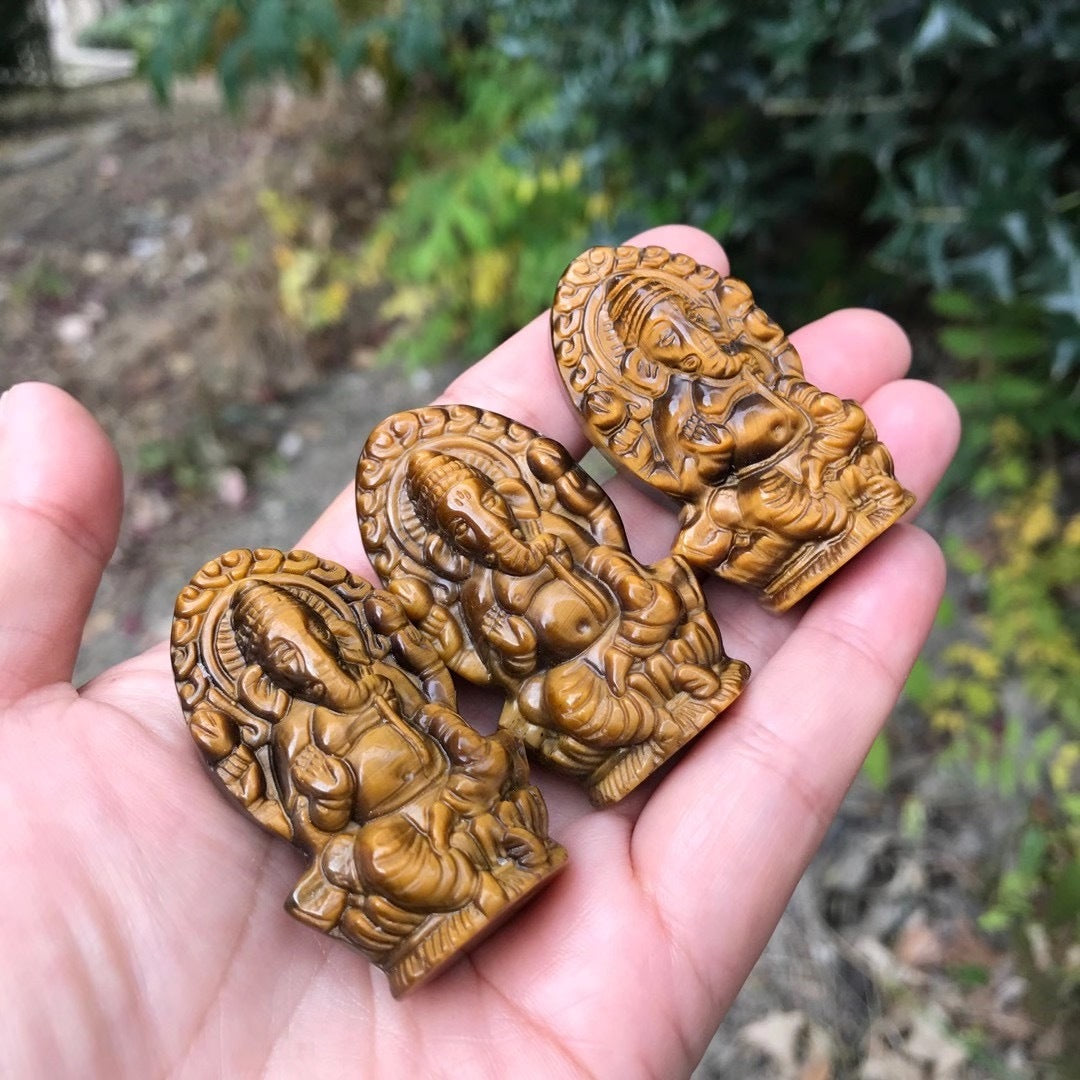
pixel 782 571
pixel 442 939
pixel 625 769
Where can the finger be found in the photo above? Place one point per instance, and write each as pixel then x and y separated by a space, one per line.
pixel 920 426
pixel 519 379
pixel 741 815
pixel 60 502
pixel 335 536
pixel 852 352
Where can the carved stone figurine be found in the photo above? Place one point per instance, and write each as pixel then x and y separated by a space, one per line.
pixel 330 719
pixel 516 566
pixel 682 379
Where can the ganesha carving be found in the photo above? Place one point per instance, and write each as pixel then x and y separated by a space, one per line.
pixel 684 380
pixel 515 565
pixel 330 720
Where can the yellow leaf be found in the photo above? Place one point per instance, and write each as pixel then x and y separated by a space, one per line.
pixel 294 281
pixel 1039 526
pixel 490 271
pixel 1070 537
pixel 374 258
pixel 597 205
pixel 286 217
pixel 571 171
pixel 950 720
pixel 410 302
pixel 328 305
pixel 981 662
pixel 526 189
pixel 549 180
pixel 1064 773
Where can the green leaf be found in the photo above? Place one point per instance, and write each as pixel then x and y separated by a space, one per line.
pixel 965 343
pixel 994 921
pixel 913 819
pixel 920 682
pixel 969 975
pixel 946 613
pixel 1016 343
pixel 1064 901
pixel 877 766
pixel 1033 843
pixel 954 304
pixel 948 24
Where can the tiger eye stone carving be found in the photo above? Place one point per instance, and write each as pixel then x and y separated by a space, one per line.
pixel 330 720
pixel 682 379
pixel 515 565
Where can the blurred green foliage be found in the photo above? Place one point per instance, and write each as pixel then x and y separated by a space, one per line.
pixel 847 151
pixel 255 40
pixel 131 26
pixel 1006 697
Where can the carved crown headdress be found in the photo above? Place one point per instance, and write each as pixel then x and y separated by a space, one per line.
pixel 431 474
pixel 631 299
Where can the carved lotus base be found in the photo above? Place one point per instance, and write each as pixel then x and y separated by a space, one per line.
pixel 813 563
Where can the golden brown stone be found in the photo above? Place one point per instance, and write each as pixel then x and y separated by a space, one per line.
pixel 682 379
pixel 331 720
pixel 515 564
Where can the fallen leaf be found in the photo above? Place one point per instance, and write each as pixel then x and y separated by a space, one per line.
pixel 798 1048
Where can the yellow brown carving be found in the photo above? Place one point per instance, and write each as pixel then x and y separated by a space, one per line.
pixel 515 565
pixel 331 720
pixel 682 379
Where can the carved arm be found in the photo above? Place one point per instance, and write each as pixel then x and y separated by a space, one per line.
pixel 328 783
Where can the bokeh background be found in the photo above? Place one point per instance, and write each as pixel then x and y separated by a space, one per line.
pixel 243 231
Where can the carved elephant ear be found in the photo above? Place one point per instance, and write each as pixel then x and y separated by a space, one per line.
pixel 534 475
pixel 231 705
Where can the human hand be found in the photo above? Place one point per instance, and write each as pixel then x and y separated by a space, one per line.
pixel 141 922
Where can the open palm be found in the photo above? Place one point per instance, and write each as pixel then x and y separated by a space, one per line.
pixel 141 921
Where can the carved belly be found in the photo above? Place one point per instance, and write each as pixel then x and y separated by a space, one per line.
pixel 761 428
pixel 568 618
pixel 392 769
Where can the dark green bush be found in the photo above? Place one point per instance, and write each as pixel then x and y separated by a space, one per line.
pixel 25 57
pixel 845 150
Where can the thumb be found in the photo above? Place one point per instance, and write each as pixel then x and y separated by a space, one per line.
pixel 60 502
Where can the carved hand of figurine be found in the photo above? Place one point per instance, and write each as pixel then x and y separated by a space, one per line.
pixel 549 461
pixel 322 775
pixel 145 918
pixel 512 638
pixel 697 430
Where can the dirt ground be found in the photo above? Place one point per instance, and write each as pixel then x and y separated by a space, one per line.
pixel 136 271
